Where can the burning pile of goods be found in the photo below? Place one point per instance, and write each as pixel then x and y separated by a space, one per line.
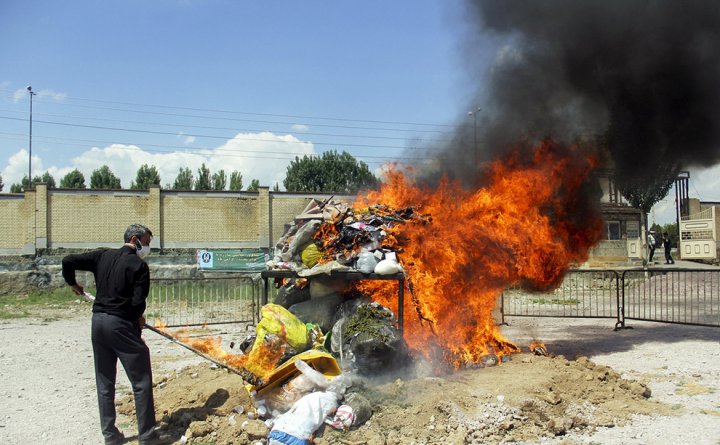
pixel 455 249
pixel 320 331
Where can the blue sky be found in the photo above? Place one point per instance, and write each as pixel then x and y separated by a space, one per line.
pixel 174 83
pixel 238 85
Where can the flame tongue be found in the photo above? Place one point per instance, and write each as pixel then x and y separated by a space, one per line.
pixel 520 226
pixel 261 361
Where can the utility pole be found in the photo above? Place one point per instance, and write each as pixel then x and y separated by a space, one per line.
pixel 30 91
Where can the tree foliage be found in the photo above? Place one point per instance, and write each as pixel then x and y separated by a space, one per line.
pixel 1 183
pixel 73 180
pixel 254 185
pixel 147 175
pixel 203 179
pixel 47 178
pixel 646 188
pixel 219 180
pixel 104 178
pixel 330 172
pixel 21 187
pixel 236 181
pixel 184 180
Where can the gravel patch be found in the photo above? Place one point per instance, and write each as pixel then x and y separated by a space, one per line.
pixel 48 387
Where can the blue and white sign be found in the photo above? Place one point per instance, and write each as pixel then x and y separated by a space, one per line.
pixel 205 259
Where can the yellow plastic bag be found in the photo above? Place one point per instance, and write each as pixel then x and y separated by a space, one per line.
pixel 277 320
pixel 311 255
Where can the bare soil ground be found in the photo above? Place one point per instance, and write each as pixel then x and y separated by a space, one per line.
pixel 595 390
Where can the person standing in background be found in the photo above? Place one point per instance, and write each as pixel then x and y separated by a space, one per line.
pixel 668 247
pixel 651 245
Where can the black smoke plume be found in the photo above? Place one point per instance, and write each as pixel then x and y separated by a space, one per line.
pixel 643 76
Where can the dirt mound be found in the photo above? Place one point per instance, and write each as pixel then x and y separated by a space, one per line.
pixel 524 399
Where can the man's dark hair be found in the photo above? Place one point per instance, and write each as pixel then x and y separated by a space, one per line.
pixel 137 230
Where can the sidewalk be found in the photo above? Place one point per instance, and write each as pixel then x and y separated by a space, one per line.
pixel 682 264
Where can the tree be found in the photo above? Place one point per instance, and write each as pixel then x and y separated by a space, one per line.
pixel 23 185
pixel 73 180
pixel 254 185
pixel 203 179
pixel 47 178
pixel 146 176
pixel 644 189
pixel 184 180
pixel 236 182
pixel 219 180
pixel 330 172
pixel 1 183
pixel 104 178
pixel 276 188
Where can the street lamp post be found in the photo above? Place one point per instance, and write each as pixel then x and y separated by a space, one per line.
pixel 474 114
pixel 30 91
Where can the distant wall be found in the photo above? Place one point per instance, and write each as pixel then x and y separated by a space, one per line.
pixel 84 219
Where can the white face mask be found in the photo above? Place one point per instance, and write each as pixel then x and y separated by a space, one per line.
pixel 144 251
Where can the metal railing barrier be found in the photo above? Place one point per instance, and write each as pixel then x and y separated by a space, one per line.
pixel 681 296
pixel 203 301
pixel 582 294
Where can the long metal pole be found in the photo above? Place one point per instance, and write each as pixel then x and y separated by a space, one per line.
pixel 246 375
pixel 30 142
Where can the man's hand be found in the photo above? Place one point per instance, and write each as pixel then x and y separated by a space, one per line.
pixel 141 322
pixel 77 289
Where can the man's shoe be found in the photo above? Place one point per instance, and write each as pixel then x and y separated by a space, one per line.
pixel 157 439
pixel 117 439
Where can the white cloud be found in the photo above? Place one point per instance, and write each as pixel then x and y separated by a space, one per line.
pixel 16 167
pixel 22 93
pixel 300 128
pixel 263 156
pixel 19 94
pixel 187 140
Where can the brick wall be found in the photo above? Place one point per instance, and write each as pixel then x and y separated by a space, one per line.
pixel 284 207
pixel 14 233
pixel 63 218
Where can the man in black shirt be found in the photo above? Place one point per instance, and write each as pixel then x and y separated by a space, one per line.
pixel 122 279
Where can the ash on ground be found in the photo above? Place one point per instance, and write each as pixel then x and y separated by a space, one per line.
pixel 526 399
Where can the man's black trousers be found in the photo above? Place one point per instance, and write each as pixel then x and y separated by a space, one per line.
pixel 115 338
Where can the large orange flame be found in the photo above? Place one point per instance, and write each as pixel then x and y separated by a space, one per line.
pixel 260 361
pixel 522 225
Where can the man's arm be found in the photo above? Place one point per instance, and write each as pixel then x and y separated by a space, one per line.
pixel 83 261
pixel 141 288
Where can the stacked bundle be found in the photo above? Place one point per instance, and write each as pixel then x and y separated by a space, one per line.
pixel 329 235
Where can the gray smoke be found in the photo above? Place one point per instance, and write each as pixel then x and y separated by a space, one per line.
pixel 642 75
